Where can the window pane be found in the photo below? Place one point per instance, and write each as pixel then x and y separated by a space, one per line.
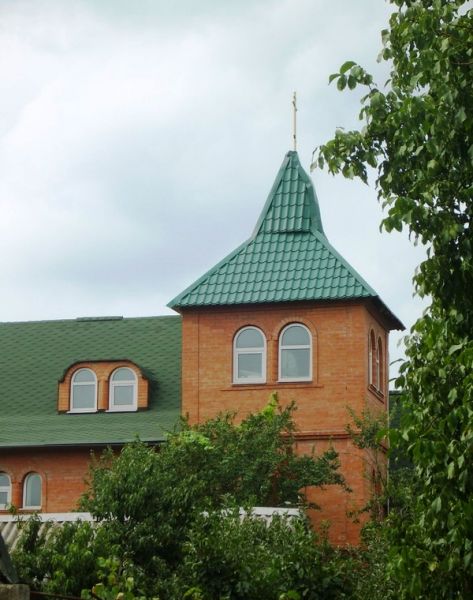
pixel 123 374
pixel 84 376
pixel 250 338
pixel 295 363
pixel 250 366
pixel 295 336
pixel 4 480
pixel 3 498
pixel 83 396
pixel 33 490
pixel 123 395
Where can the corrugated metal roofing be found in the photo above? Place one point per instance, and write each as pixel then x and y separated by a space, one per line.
pixel 288 257
pixel 34 356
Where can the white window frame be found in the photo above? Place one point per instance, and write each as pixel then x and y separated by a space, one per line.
pixel 25 483
pixel 294 347
pixel 379 365
pixel 238 351
pixel 7 489
pixel 114 384
pixel 371 357
pixel 79 383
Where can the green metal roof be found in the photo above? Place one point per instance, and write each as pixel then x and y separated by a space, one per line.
pixel 288 258
pixel 34 356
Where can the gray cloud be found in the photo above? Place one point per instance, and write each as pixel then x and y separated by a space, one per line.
pixel 138 142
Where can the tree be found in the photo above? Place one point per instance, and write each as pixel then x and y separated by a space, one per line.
pixel 418 135
pixel 150 503
pixel 147 499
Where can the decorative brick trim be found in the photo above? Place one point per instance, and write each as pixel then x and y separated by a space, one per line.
pixel 321 435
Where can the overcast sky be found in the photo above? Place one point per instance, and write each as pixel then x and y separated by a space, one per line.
pixel 139 141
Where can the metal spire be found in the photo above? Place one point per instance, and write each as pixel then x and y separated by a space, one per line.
pixel 294 120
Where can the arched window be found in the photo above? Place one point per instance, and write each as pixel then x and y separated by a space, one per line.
pixel 372 357
pixel 249 356
pixel 84 391
pixel 32 491
pixel 295 353
pixel 5 491
pixel 123 390
pixel 379 365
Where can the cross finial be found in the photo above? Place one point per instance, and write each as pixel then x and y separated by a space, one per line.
pixel 294 120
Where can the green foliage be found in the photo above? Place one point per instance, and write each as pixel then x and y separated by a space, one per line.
pixel 149 505
pixel 418 134
pixel 147 500
pixel 237 558
pixel 370 565
pixel 59 559
pixel 114 584
pixel 368 432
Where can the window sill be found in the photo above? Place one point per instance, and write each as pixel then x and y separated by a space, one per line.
pixel 121 410
pixel 306 381
pixel 81 412
pixel 378 393
pixel 271 386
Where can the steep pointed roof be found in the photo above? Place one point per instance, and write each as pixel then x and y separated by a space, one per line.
pixel 288 258
pixel 291 205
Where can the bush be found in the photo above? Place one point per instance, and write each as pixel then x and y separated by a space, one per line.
pixel 241 558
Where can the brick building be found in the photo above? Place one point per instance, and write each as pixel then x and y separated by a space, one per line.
pixel 284 312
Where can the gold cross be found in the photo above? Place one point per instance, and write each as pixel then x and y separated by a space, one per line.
pixel 294 120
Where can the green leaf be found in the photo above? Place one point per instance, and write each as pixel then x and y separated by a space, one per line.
pixel 455 348
pixel 346 66
pixel 450 471
pixel 351 82
pixel 341 83
pixel 437 504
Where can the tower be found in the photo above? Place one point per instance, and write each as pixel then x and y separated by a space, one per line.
pixel 286 312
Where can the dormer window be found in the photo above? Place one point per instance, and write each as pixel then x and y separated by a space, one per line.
pixel 84 391
pixel 295 353
pixel 123 390
pixel 103 386
pixel 249 356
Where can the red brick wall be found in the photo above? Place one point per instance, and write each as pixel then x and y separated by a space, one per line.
pixel 63 472
pixel 340 334
pixel 340 367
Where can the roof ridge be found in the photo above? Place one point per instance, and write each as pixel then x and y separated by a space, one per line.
pixel 87 320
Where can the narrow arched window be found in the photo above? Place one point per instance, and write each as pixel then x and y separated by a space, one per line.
pixel 372 378
pixel 249 356
pixel 84 391
pixel 5 491
pixel 123 390
pixel 295 353
pixel 380 365
pixel 32 491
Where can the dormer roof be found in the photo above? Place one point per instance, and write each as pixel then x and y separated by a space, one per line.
pixel 36 354
pixel 288 258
